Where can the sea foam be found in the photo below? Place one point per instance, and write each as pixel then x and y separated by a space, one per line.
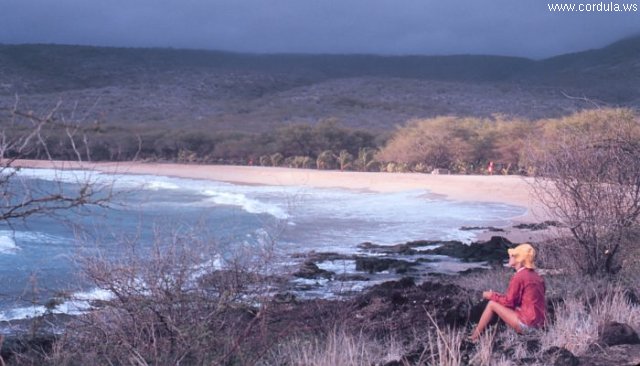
pixel 9 240
pixel 247 204
pixel 7 244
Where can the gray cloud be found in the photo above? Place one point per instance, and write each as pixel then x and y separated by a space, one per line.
pixel 505 27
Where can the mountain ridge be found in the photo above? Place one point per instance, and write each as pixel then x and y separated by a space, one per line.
pixel 252 92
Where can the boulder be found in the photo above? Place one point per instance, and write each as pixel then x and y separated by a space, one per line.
pixel 494 250
pixel 477 228
pixel 310 270
pixel 373 265
pixel 558 356
pixel 539 226
pixel 614 333
pixel 408 248
pixel 621 355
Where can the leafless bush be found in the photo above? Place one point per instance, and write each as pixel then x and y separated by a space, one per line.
pixel 182 300
pixel 587 171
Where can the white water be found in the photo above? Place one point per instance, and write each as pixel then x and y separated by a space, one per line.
pixel 7 244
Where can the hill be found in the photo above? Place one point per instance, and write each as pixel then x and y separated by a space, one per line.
pixel 171 88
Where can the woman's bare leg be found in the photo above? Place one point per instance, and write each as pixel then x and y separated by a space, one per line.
pixel 509 316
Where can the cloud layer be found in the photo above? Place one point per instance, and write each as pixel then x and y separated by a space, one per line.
pixel 505 27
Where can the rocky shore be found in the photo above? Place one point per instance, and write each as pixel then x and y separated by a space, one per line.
pixel 399 307
pixel 405 294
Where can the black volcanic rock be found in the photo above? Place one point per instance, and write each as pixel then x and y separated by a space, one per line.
pixel 310 270
pixel 539 226
pixel 557 356
pixel 621 355
pixel 373 265
pixel 475 228
pixel 614 333
pixel 493 251
pixel 408 304
pixel 408 248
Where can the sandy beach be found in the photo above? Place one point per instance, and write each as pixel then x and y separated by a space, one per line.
pixel 514 190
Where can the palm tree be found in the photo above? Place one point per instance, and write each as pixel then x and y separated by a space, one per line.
pixel 366 160
pixel 326 160
pixel 345 159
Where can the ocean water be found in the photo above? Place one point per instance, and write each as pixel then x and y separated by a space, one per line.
pixel 37 255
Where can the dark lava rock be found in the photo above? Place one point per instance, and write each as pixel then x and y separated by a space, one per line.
pixel 557 356
pixel 284 297
pixel 452 303
pixel 621 355
pixel 487 228
pixel 351 277
pixel 494 250
pixel 408 248
pixel 613 334
pixel 224 280
pixel 310 270
pixel 373 265
pixel 532 345
pixel 552 304
pixel 385 288
pixel 539 226
pixel 400 307
pixel 632 297
pixel 316 257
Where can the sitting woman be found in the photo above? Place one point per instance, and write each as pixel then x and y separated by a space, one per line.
pixel 523 306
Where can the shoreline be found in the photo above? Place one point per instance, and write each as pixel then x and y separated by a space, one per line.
pixel 512 190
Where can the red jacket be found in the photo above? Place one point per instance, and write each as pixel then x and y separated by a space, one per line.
pixel 526 295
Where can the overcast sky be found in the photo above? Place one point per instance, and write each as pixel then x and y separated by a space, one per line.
pixel 504 27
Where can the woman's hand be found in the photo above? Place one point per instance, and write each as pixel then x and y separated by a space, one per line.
pixel 487 294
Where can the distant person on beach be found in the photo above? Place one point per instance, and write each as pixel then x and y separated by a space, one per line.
pixel 523 307
pixel 490 168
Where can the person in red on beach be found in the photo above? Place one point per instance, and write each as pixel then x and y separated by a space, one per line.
pixel 523 307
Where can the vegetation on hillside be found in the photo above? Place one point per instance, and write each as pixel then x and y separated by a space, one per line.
pixel 226 92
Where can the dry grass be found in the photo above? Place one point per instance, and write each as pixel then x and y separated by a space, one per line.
pixel 574 328
pixel 337 348
pixel 578 319
pixel 483 355
pixel 615 306
pixel 438 346
pixel 444 347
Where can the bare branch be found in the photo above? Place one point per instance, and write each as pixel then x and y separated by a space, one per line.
pixel 25 137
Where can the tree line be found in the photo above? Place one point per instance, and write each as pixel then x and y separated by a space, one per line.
pixel 461 145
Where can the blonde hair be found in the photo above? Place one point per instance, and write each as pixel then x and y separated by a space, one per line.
pixel 525 254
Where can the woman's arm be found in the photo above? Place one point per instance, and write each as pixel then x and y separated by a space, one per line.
pixel 512 298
